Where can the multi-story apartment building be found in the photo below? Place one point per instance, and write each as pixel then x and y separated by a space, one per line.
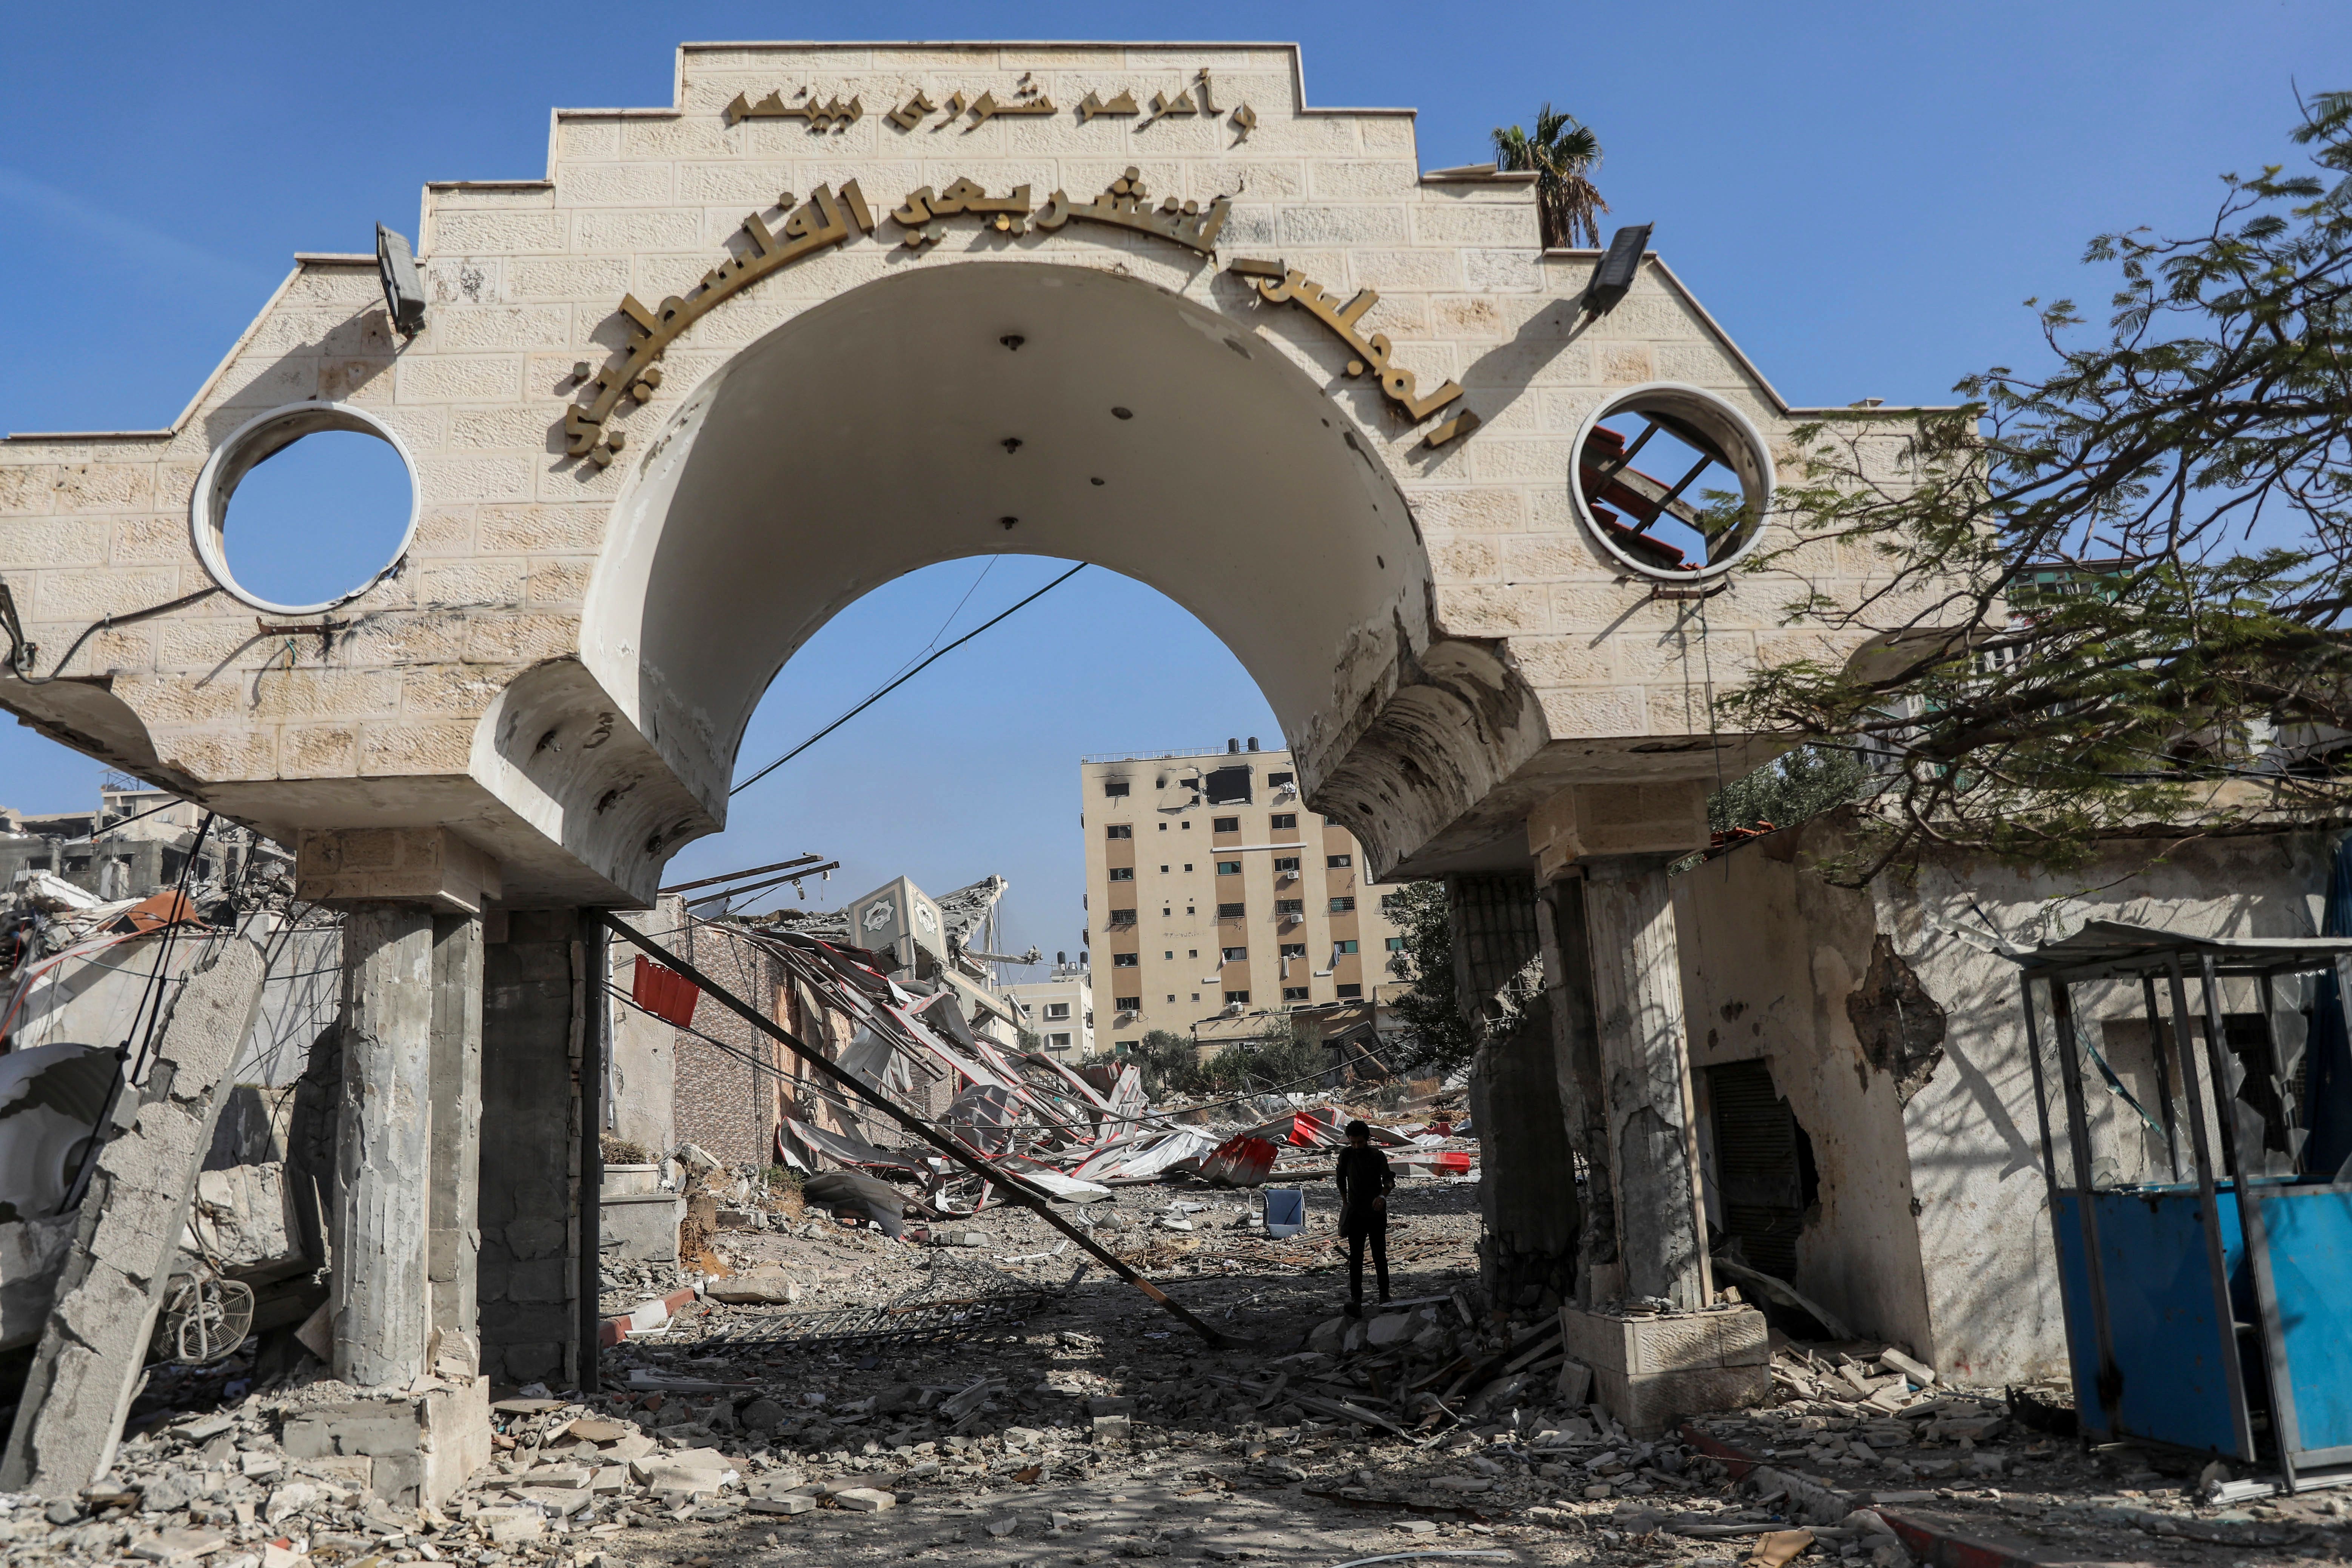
pixel 1059 1009
pixel 1212 890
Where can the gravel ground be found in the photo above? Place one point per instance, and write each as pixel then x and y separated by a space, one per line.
pixel 1097 1427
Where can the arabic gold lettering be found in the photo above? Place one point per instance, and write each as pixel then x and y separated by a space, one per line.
pixel 909 114
pixel 983 107
pixel 957 197
pixel 955 107
pixel 1374 354
pixel 1461 424
pixel 1054 213
pixel 637 312
pixel 1244 121
pixel 1162 105
pixel 1354 311
pixel 858 211
pixel 1206 107
pixel 581 428
pixel 916 210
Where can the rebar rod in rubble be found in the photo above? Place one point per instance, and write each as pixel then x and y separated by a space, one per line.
pixel 1022 1192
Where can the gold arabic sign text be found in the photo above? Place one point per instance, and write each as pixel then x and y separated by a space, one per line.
pixel 833 114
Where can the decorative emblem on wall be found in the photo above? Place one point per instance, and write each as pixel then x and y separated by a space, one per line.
pixel 877 916
pixel 1277 284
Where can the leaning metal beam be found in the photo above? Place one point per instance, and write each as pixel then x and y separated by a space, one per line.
pixel 1020 1189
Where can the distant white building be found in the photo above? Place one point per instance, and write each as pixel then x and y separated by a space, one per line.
pixel 1059 1010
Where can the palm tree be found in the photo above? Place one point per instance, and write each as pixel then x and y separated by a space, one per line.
pixel 1562 152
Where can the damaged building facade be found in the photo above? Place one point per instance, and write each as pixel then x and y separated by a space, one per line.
pixel 1864 1080
pixel 642 401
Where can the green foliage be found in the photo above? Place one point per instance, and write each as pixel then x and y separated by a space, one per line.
pixel 1436 1040
pixel 1278 1061
pixel 1563 153
pixel 1167 1062
pixel 2113 594
pixel 1795 785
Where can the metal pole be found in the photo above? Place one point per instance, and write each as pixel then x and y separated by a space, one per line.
pixel 2078 1133
pixel 2225 1318
pixel 2163 1078
pixel 2284 1429
pixel 1021 1190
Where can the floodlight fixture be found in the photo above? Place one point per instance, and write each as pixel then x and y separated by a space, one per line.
pixel 403 292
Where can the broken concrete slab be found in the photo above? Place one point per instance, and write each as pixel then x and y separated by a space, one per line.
pixel 1650 1370
pixel 111 1285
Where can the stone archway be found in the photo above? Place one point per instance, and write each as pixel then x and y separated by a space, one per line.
pixel 1342 370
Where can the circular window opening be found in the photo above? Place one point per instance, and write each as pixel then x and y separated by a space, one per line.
pixel 1673 482
pixel 305 508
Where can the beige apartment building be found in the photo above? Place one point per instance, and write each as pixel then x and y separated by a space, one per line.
pixel 1211 891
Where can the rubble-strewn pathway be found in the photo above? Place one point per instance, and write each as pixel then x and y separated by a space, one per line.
pixel 1100 1430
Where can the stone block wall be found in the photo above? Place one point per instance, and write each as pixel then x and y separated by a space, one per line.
pixel 531 1182
pixel 724 1102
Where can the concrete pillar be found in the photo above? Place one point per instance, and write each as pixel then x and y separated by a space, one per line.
pixel 454 1244
pixel 1582 1085
pixel 1527 1187
pixel 1637 995
pixel 385 1144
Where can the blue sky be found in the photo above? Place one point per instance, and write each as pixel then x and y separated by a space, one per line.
pixel 1861 193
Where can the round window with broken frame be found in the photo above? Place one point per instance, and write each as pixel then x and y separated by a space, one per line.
pixel 1672 482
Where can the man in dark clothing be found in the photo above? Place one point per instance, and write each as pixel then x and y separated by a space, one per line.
pixel 1364 1180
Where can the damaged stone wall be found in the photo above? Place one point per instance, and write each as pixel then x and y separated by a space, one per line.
pixel 527 1270
pixel 1528 1200
pixel 1893 1026
pixel 723 1103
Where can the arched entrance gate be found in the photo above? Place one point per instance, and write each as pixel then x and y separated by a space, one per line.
pixel 847 311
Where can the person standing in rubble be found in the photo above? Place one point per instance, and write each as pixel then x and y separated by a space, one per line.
pixel 1365 1181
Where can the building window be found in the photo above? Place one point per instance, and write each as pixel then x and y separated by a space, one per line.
pixel 1122 917
pixel 1396 944
pixel 1196 995
pixel 1130 1003
pixel 1167 952
pixel 1057 1009
pixel 1171 996
pixel 1293 994
pixel 1119 830
pixel 1341 947
pixel 1188 864
pixel 1289 907
pixel 1283 819
pixel 1123 960
pixel 1340 906
pixel 1060 1042
pixel 1228 911
pixel 1285 863
pixel 1337 862
pixel 1114 787
pixel 1227 786
pixel 1276 781
pixel 1240 997
pixel 1226 825
pixel 1120 1048
pixel 1229 867
pixel 1236 955
pixel 1389 902
pixel 1293 950
pixel 1192 953
pixel 1163 870
pixel 1122 873
pixel 1352 993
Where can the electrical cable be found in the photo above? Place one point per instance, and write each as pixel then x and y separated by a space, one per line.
pixel 22 648
pixel 902 680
